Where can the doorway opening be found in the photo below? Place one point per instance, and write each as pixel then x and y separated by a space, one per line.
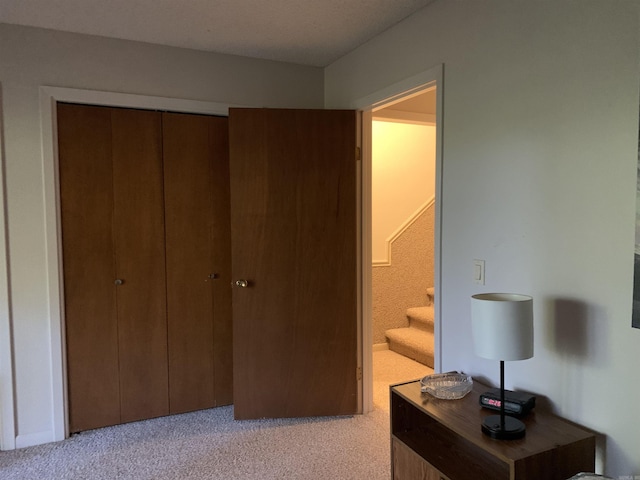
pixel 403 239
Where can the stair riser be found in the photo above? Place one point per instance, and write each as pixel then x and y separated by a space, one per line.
pixel 420 325
pixel 430 295
pixel 413 343
pixel 412 353
pixel 421 318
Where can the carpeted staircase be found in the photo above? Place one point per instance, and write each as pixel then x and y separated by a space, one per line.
pixel 416 340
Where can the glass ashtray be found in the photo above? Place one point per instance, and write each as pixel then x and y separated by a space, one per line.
pixel 448 386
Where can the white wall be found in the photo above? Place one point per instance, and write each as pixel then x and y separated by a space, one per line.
pixel 30 58
pixel 402 182
pixel 538 179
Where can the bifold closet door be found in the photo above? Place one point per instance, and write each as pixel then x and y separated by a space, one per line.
pixel 111 191
pixel 140 262
pixel 86 202
pixel 198 261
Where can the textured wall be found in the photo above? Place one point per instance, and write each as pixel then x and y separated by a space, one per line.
pixel 404 283
pixel 403 167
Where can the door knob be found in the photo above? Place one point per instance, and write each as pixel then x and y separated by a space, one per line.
pixel 242 283
pixel 119 281
pixel 213 276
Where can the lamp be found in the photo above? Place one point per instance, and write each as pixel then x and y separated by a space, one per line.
pixel 502 326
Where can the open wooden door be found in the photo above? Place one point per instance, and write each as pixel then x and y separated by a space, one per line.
pixel 294 262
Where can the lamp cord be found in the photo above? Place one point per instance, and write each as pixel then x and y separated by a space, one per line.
pixel 502 395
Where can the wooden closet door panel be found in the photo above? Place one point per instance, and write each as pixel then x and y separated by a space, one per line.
pixel 140 261
pixel 198 246
pixel 222 309
pixel 189 223
pixel 294 239
pixel 86 202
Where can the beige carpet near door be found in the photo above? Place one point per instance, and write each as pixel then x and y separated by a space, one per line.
pixel 209 444
pixel 389 368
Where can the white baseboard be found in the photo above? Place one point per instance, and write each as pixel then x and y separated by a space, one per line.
pixel 379 347
pixel 31 439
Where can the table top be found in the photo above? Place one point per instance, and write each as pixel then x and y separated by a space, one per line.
pixel 464 416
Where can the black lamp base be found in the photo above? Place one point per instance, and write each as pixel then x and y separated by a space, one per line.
pixel 513 428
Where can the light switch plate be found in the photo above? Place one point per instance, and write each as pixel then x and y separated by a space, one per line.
pixel 478 272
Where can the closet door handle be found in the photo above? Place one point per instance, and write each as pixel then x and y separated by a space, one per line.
pixel 119 281
pixel 241 283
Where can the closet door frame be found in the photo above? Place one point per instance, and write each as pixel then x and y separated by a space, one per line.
pixel 49 96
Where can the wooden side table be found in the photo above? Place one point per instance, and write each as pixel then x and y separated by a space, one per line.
pixel 433 439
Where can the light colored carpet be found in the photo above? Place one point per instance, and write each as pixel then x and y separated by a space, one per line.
pixel 389 368
pixel 210 445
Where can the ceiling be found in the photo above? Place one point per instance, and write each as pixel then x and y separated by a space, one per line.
pixel 306 32
pixel 424 102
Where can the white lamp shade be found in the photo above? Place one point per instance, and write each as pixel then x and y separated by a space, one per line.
pixel 502 326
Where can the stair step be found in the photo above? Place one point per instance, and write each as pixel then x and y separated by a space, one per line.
pixel 421 317
pixel 413 343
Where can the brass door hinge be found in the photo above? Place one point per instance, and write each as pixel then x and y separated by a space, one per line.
pixel 358 154
pixel 359 373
